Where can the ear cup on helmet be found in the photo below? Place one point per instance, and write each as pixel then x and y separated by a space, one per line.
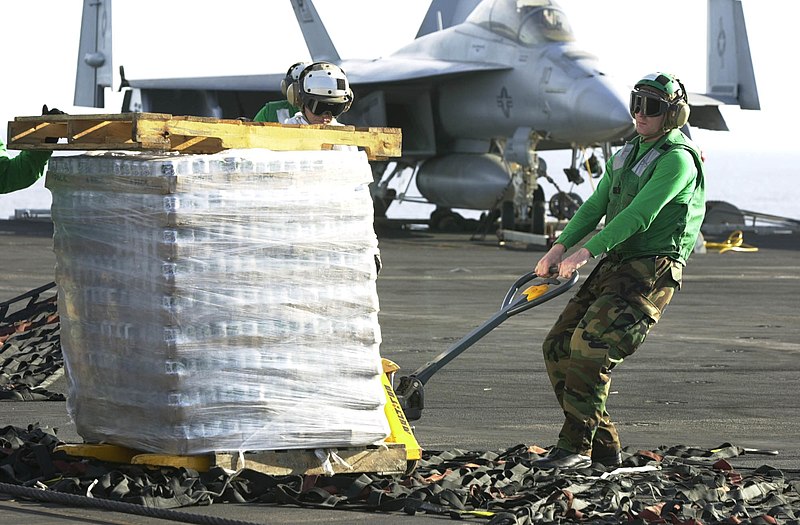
pixel 681 114
pixel 292 96
pixel 677 115
pixel 349 100
pixel 287 83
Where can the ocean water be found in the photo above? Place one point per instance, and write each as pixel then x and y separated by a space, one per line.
pixel 763 182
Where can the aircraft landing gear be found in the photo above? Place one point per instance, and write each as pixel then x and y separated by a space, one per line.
pixel 446 220
pixel 532 216
pixel 382 194
pixel 381 202
pixel 508 216
pixel 537 211
pixel 563 205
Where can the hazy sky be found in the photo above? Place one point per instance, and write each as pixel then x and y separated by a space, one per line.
pixel 159 38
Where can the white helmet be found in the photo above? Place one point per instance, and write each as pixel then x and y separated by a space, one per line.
pixel 324 89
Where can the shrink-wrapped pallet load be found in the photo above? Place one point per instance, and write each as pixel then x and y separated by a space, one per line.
pixel 219 302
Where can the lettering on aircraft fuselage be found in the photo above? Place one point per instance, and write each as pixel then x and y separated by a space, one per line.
pixel 479 49
pixel 505 102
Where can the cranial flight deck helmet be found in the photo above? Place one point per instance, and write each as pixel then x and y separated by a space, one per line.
pixel 661 93
pixel 287 84
pixel 323 88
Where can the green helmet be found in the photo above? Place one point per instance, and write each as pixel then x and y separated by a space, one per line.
pixel 661 94
pixel 664 83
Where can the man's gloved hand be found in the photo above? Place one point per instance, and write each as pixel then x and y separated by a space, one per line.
pixel 54 111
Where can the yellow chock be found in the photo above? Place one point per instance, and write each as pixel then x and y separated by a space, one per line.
pixel 734 243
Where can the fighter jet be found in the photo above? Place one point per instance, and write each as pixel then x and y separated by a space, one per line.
pixel 483 87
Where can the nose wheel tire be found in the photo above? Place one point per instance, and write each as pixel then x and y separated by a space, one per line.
pixel 563 205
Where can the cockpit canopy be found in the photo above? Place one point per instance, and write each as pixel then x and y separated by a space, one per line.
pixel 528 22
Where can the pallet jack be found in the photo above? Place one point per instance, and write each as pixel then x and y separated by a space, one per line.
pixel 405 402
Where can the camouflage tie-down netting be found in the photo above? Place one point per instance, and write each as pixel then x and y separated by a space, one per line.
pixel 30 355
pixel 674 485
pixel 677 485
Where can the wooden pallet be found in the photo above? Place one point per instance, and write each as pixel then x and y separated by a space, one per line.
pixel 383 459
pixel 163 132
pixel 387 459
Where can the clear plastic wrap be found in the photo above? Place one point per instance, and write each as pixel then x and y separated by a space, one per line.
pixel 219 302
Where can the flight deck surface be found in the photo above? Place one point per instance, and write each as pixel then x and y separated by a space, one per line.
pixel 721 366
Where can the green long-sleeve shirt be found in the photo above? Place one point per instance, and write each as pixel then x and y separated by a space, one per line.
pixel 275 111
pixel 21 171
pixel 673 182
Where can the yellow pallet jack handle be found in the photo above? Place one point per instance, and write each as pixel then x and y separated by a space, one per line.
pixel 400 428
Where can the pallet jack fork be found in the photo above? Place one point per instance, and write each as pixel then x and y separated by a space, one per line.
pixel 406 401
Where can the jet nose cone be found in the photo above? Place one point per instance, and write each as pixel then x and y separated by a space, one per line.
pixel 602 111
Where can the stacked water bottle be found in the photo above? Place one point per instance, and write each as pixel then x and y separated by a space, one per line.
pixel 219 302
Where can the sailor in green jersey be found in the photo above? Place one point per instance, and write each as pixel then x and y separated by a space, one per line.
pixel 21 171
pixel 280 110
pixel 653 199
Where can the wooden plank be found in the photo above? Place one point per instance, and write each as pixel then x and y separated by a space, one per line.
pixel 200 463
pixel 75 132
pixel 163 132
pixel 390 459
pixel 230 134
pixel 103 452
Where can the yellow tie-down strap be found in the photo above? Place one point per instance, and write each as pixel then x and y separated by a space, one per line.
pixel 734 243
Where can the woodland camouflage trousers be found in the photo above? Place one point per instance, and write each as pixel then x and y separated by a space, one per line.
pixel 604 322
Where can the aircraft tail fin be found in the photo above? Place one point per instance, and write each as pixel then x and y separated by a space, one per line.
pixel 317 39
pixel 94 72
pixel 445 13
pixel 730 75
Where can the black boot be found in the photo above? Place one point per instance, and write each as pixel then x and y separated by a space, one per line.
pixel 607 458
pixel 562 459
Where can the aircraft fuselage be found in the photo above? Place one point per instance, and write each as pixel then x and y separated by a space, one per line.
pixel 550 87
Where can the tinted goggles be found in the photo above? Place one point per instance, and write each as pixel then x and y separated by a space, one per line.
pixel 320 108
pixel 646 104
